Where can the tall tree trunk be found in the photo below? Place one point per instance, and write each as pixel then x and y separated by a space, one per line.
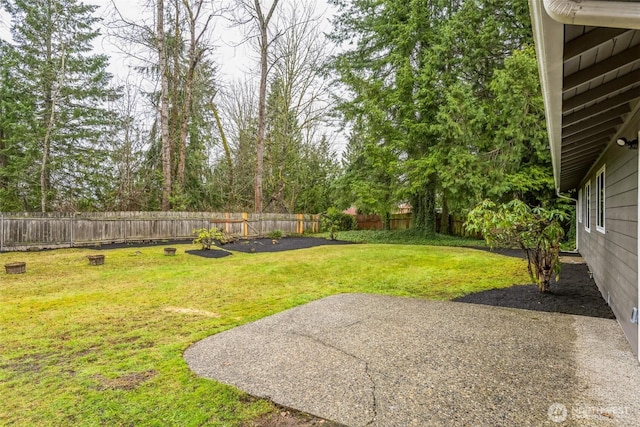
pixel 176 101
pixel 194 58
pixel 164 107
pixel 44 168
pixel 424 208
pixel 3 158
pixel 444 217
pixel 182 144
pixel 52 94
pixel 262 108
pixel 263 23
pixel 227 153
pixel 386 224
pixel 48 109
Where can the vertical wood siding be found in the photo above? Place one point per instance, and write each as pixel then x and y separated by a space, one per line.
pixel 612 256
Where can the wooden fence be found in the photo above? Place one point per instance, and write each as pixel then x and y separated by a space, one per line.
pixel 400 221
pixel 454 225
pixel 22 231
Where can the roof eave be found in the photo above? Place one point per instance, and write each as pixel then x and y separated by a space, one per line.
pixel 548 20
pixel 548 36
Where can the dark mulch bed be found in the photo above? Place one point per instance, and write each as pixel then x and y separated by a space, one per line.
pixel 284 244
pixel 575 293
pixel 138 244
pixel 213 253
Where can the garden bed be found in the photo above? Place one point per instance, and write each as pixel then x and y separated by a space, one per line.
pixel 574 293
pixel 279 245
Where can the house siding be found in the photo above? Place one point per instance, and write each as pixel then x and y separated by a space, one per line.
pixel 612 255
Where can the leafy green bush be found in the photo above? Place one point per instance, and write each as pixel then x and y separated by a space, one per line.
pixel 207 238
pixel 537 231
pixel 334 220
pixel 275 235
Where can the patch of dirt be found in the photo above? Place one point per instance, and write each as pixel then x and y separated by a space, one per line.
pixel 194 311
pixel 29 363
pixel 284 244
pixel 574 293
pixel 285 417
pixel 128 381
pixel 22 367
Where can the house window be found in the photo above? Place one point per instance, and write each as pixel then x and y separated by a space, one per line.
pixel 600 200
pixel 580 206
pixel 587 203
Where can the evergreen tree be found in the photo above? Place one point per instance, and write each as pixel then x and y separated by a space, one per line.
pixel 419 77
pixel 369 177
pixel 17 159
pixel 68 122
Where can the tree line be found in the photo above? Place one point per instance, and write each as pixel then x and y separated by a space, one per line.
pixel 171 135
pixel 445 105
pixel 439 101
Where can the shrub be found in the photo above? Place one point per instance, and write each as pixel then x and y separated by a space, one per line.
pixel 537 231
pixel 334 220
pixel 207 238
pixel 275 235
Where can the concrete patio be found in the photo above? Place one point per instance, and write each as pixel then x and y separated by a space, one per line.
pixel 369 360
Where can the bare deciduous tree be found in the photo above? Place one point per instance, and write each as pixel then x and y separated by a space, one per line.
pixel 303 99
pixel 164 105
pixel 180 39
pixel 254 12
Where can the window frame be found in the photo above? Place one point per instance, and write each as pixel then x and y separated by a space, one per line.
pixel 601 199
pixel 587 206
pixel 580 209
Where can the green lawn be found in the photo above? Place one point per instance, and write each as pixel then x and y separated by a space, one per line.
pixel 83 345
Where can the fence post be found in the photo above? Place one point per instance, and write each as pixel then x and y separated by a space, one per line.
pixel 1 232
pixel 71 222
pixel 245 225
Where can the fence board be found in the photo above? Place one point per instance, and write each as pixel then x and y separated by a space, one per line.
pixel 455 224
pixel 21 231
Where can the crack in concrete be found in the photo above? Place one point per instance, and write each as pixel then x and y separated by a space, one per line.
pixel 373 394
pixel 366 370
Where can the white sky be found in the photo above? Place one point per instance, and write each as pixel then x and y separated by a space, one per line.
pixel 233 59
